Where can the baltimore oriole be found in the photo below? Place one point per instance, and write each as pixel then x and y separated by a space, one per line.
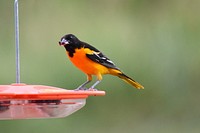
pixel 92 62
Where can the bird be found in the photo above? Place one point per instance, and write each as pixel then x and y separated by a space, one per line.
pixel 92 62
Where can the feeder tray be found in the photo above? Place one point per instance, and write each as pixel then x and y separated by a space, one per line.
pixel 21 101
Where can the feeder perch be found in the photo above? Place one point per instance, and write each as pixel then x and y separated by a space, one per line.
pixel 21 101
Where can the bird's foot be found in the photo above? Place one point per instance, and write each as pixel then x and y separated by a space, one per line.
pixel 91 89
pixel 81 89
pixel 85 89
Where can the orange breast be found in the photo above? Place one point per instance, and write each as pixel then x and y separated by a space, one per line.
pixel 86 65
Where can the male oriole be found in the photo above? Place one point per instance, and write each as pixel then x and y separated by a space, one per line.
pixel 92 62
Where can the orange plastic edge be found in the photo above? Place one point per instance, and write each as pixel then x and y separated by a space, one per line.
pixel 38 92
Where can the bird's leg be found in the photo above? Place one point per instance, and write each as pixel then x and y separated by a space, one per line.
pixel 99 78
pixel 82 87
pixel 95 84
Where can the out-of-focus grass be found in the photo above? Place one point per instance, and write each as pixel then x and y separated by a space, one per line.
pixel 155 42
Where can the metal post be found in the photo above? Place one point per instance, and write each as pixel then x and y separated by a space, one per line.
pixel 17 41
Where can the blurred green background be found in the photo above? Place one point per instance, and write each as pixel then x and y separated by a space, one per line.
pixel 154 41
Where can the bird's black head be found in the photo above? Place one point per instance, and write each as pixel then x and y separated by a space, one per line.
pixel 70 42
pixel 69 39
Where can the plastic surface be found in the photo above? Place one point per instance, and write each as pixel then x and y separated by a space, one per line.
pixel 31 109
pixel 21 101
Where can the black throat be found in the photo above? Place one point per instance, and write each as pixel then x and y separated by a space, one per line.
pixel 70 50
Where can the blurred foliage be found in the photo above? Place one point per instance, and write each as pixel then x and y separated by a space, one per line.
pixel 154 41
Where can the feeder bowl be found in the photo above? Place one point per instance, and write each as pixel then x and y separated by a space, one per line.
pixel 21 101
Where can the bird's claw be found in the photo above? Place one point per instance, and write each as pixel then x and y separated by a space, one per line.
pixel 81 89
pixel 91 89
pixel 85 89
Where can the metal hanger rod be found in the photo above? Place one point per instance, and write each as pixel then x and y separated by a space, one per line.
pixel 17 41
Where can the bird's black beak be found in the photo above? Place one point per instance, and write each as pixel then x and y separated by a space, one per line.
pixel 63 42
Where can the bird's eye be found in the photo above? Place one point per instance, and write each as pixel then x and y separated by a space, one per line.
pixel 71 37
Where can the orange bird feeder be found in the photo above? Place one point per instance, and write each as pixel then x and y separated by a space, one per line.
pixel 21 101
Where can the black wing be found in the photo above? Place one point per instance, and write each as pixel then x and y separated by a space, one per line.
pixel 99 57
